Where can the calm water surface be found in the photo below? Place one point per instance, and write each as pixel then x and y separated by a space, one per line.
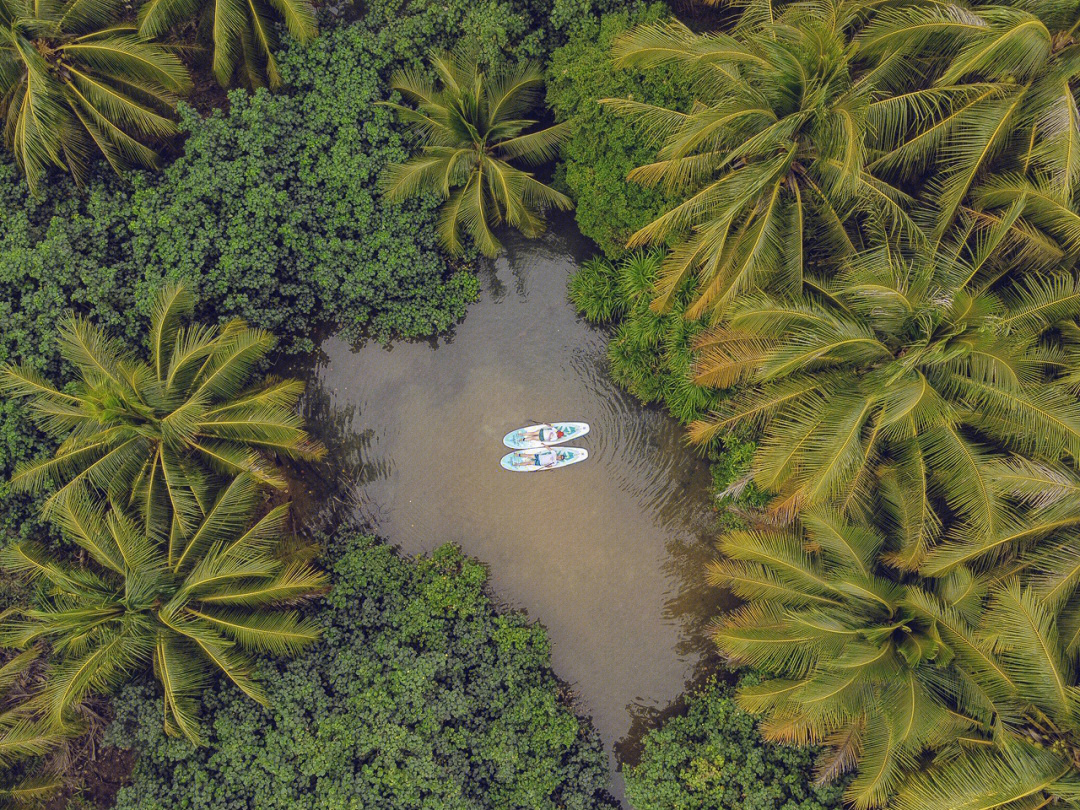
pixel 608 553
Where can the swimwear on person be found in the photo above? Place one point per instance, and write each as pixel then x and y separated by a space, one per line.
pixel 546 458
pixel 545 434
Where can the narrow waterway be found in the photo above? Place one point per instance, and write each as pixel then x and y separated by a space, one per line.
pixel 608 554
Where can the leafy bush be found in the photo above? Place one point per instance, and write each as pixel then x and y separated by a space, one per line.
pixel 650 354
pixel 502 30
pixel 712 758
pixel 419 695
pixel 604 147
pixel 272 212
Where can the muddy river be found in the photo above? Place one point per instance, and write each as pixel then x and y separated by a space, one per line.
pixel 608 553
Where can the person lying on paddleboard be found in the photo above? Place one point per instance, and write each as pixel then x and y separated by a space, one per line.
pixel 548 458
pixel 544 433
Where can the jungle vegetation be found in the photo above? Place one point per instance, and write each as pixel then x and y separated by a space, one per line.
pixel 870 235
pixel 151 570
pixel 711 756
pixel 419 694
pixel 840 243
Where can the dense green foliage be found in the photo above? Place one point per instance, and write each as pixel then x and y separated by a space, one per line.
pixel 501 30
pixel 603 148
pixel 710 757
pixel 651 354
pixel 272 212
pixel 420 695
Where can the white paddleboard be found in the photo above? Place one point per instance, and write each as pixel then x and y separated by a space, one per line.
pixel 543 458
pixel 533 436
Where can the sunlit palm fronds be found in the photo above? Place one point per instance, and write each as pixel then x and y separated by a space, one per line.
pixel 998 101
pixel 889 671
pixel 29 744
pixel 158 434
pixel 771 159
pixel 244 36
pixel 472 127
pixel 197 604
pixel 905 371
pixel 75 82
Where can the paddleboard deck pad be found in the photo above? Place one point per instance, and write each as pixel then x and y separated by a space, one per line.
pixel 543 458
pixel 533 436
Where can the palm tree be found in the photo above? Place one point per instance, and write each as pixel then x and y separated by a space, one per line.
pixel 74 81
pixel 975 672
pixel 772 157
pixel 242 33
pixel 470 126
pixel 158 434
pixel 908 375
pixel 997 121
pixel 189 606
pixel 24 736
pixel 849 655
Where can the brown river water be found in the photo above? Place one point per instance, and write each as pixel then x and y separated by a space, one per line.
pixel 608 554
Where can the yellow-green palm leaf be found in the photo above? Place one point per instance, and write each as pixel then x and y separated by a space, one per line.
pixel 208 602
pixel 243 32
pixel 472 128
pixel 75 82
pixel 159 434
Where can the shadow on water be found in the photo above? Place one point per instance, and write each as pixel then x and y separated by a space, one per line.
pixel 608 554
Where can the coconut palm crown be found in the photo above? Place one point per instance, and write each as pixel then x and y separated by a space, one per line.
pixel 906 376
pixel 945 692
pixel 771 157
pixel 190 606
pixel 243 34
pixel 996 123
pixel 159 434
pixel 471 126
pixel 75 82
